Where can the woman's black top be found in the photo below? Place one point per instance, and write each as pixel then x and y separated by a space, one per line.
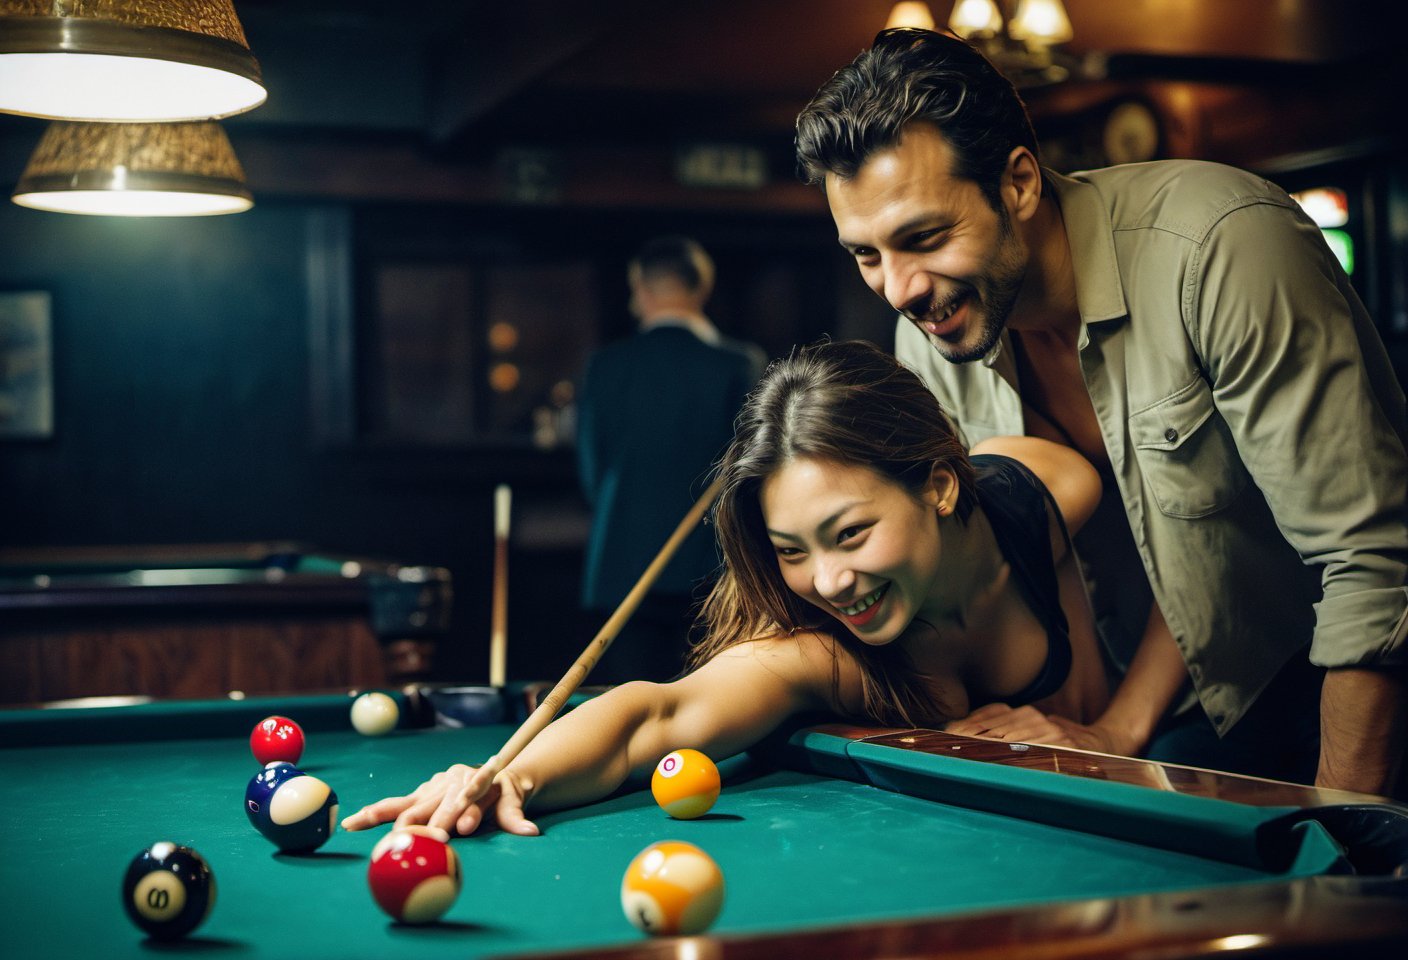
pixel 1018 507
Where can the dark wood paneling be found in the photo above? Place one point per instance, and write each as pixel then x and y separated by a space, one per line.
pixel 92 653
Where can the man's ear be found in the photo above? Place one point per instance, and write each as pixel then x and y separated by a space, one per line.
pixel 942 490
pixel 1021 184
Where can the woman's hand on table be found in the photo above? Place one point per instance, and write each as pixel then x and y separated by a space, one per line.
pixel 443 804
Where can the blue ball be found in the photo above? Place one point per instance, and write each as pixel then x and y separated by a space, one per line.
pixel 296 812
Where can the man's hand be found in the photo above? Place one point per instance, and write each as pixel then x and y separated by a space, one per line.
pixel 998 721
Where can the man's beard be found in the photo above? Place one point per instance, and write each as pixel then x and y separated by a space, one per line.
pixel 993 321
pixel 995 293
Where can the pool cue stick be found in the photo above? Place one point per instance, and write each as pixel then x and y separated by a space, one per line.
pixel 549 705
pixel 498 622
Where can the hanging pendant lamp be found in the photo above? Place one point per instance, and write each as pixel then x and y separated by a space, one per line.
pixel 134 170
pixel 125 60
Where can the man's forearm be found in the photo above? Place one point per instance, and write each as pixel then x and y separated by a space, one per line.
pixel 1156 674
pixel 1363 714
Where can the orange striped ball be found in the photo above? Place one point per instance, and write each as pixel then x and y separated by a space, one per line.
pixel 672 888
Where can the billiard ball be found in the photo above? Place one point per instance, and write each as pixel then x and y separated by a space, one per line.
pixel 414 876
pixel 374 714
pixel 276 738
pixel 672 888
pixel 168 890
pixel 295 811
pixel 685 784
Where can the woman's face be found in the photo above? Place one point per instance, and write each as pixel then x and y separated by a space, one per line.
pixel 854 544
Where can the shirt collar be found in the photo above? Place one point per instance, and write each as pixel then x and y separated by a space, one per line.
pixel 1099 291
pixel 695 323
pixel 990 358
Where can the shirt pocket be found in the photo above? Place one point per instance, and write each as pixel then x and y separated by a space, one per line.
pixel 1186 453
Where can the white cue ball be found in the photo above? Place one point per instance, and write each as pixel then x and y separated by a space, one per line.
pixel 374 714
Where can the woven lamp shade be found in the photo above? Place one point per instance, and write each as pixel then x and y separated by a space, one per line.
pixel 134 170
pixel 125 60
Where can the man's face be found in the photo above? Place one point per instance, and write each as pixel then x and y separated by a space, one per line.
pixel 930 243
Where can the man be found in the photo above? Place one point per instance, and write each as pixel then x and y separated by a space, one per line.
pixel 656 411
pixel 1183 325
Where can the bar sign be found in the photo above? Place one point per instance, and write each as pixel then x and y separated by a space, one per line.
pixel 721 165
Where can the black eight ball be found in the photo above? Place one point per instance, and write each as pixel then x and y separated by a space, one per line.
pixel 168 890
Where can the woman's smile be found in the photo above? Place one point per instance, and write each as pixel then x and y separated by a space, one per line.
pixel 866 608
pixel 854 544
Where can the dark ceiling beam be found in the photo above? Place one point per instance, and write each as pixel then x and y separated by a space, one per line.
pixel 494 55
pixel 397 170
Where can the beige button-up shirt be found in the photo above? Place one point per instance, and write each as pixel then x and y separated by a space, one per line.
pixel 1254 425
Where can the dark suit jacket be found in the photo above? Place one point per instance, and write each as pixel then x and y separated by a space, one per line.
pixel 655 413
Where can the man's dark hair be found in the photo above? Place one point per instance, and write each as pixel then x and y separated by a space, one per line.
pixel 906 76
pixel 675 258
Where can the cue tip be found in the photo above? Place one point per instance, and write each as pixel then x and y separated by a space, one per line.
pixel 503 500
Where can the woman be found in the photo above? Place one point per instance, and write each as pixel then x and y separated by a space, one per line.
pixel 873 570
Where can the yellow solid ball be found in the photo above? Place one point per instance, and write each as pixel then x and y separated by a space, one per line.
pixel 375 714
pixel 685 784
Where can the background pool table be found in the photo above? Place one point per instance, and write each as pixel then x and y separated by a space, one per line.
pixel 201 620
pixel 835 843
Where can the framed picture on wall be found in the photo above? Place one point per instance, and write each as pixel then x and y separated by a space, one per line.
pixel 26 366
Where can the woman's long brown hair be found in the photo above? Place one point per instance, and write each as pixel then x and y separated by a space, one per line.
pixel 851 403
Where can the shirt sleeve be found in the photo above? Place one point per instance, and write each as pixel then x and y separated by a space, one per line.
pixel 1299 374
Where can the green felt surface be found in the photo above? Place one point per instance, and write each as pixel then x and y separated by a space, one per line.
pixel 798 850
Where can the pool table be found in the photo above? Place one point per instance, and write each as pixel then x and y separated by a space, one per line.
pixel 835 841
pixel 200 620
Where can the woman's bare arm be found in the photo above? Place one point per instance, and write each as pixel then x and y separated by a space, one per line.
pixel 725 706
